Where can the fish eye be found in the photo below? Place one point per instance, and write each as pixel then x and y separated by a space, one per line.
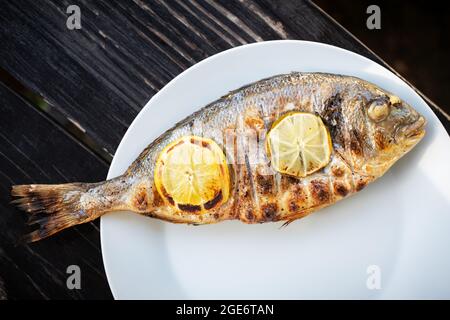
pixel 378 110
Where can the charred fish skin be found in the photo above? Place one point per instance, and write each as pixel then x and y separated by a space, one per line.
pixel 363 149
pixel 370 130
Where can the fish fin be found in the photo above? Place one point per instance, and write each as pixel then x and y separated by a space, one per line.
pixel 295 218
pixel 288 222
pixel 51 207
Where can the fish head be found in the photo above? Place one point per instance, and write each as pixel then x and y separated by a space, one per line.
pixel 398 127
pixel 397 119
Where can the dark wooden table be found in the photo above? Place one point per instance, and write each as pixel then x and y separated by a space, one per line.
pixel 68 96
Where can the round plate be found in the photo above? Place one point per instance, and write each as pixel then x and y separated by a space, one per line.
pixel 388 241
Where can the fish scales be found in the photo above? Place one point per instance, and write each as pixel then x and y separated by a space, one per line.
pixel 370 129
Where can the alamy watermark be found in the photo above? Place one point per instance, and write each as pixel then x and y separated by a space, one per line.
pixel 74 20
pixel 374 20
pixel 373 281
pixel 74 279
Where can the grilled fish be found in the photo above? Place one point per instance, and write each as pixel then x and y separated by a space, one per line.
pixel 370 129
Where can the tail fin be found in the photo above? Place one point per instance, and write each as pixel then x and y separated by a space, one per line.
pixel 55 207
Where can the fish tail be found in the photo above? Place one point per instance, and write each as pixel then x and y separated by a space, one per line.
pixel 53 208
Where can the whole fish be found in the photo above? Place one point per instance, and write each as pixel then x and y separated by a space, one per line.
pixel 370 130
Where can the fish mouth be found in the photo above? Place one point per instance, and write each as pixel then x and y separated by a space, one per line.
pixel 415 130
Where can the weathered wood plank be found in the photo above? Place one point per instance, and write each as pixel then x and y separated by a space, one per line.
pixel 34 150
pixel 102 75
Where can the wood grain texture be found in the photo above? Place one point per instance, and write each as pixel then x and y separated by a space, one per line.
pixel 127 50
pixel 34 150
pixel 100 77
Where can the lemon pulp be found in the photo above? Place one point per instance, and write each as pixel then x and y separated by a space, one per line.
pixel 299 144
pixel 192 174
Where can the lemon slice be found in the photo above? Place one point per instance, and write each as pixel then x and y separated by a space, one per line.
pixel 299 144
pixel 191 173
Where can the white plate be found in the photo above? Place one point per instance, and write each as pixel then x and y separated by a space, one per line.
pixel 401 223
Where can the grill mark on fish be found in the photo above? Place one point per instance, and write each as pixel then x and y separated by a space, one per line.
pixel 277 175
pixel 252 172
pixel 247 195
pixel 267 185
pixel 362 182
pixel 340 189
pixel 234 175
pixel 249 214
pixel 265 182
pixel 141 199
pixel 252 182
pixel 288 200
pixel 269 211
pixel 234 172
pixel 319 191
